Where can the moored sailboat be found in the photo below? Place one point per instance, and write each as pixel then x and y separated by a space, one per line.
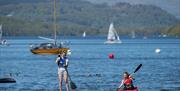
pixel 84 34
pixel 113 37
pixel 2 41
pixel 133 34
pixel 50 48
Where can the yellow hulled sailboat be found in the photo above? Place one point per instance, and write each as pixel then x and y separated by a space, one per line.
pixel 50 48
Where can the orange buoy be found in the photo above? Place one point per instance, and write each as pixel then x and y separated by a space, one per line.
pixel 111 56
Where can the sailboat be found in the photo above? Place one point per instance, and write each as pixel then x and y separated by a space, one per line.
pixel 112 37
pixel 50 48
pixel 84 34
pixel 133 34
pixel 2 41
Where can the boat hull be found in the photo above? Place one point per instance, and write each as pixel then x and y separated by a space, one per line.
pixel 113 42
pixel 49 51
pixel 136 89
pixel 7 80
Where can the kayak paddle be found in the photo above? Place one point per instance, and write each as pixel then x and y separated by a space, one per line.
pixel 137 68
pixel 72 84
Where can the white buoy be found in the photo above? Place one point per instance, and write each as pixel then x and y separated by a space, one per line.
pixel 69 52
pixel 158 50
pixel 31 45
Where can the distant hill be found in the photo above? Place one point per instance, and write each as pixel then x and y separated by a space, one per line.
pixel 34 17
pixel 6 2
pixel 171 6
pixel 175 30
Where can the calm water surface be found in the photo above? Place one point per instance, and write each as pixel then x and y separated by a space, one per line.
pixel 90 67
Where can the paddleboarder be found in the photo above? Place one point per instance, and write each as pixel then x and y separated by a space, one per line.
pixel 127 82
pixel 62 62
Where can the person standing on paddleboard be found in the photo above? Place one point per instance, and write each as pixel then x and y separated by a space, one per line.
pixel 62 62
pixel 127 82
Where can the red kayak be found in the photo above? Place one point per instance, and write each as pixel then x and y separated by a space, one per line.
pixel 135 89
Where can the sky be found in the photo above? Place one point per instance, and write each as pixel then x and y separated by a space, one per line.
pixel 171 6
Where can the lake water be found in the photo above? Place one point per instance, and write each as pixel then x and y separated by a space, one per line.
pixel 90 67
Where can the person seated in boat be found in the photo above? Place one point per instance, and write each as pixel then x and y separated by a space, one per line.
pixel 62 62
pixel 127 82
pixel 4 42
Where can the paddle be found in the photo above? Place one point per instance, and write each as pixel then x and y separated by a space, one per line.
pixel 137 69
pixel 133 72
pixel 72 84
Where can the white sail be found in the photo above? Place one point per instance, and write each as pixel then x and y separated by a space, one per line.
pixel 2 41
pixel 84 34
pixel 0 32
pixel 133 34
pixel 113 36
pixel 117 36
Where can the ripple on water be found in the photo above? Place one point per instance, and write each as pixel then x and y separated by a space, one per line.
pixel 90 67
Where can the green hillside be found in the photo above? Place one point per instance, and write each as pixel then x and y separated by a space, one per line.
pixel 175 30
pixel 76 16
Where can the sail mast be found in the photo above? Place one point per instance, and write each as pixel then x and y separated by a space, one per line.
pixel 55 25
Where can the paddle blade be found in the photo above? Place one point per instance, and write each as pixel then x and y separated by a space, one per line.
pixel 73 85
pixel 138 68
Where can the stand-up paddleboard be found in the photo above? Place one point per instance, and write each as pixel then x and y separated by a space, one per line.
pixel 7 80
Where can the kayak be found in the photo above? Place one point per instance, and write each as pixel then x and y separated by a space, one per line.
pixel 7 80
pixel 135 89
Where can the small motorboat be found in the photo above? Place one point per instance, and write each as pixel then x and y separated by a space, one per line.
pixel 7 80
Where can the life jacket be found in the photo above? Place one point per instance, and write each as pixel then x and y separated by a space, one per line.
pixel 62 62
pixel 128 84
pixel 128 81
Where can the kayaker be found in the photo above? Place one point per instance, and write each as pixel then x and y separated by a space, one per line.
pixel 127 82
pixel 62 62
